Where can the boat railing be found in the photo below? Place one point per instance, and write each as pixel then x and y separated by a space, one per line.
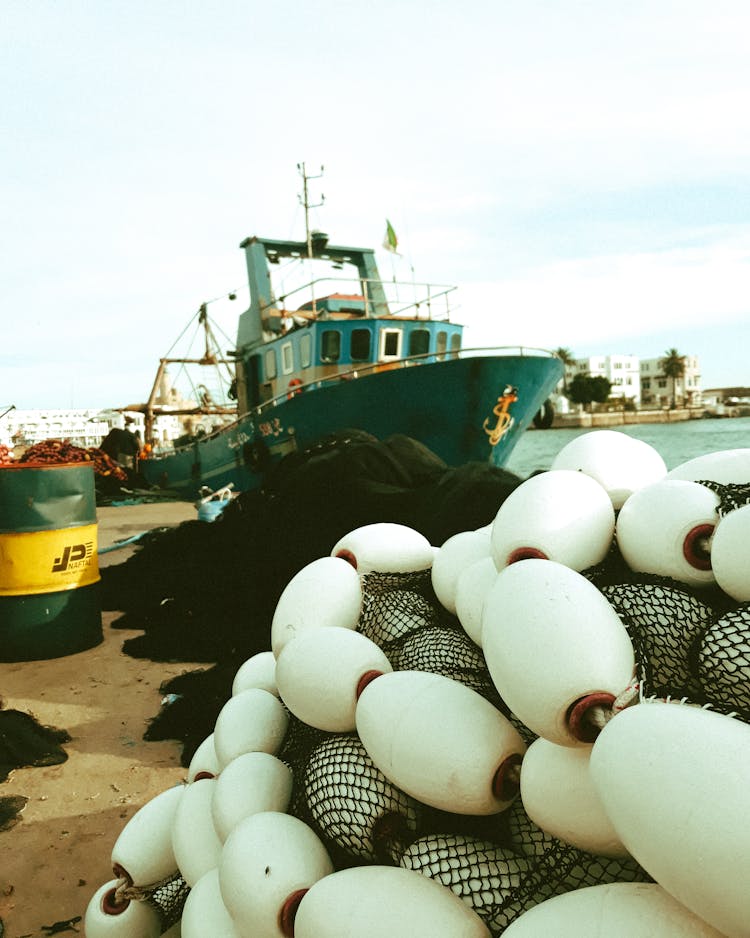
pixel 265 409
pixel 369 368
pixel 403 297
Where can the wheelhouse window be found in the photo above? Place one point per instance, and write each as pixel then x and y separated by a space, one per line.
pixel 390 344
pixel 330 345
pixel 287 358
pixel 419 342
pixel 442 344
pixel 455 342
pixel 270 364
pixel 305 350
pixel 360 344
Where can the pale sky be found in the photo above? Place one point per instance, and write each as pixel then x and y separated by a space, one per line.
pixel 579 169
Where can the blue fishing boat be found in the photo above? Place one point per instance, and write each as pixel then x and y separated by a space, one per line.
pixel 334 354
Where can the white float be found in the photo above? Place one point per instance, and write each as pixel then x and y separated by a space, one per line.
pixel 205 763
pixel 384 902
pixel 675 782
pixel 555 649
pixel 559 515
pixel 725 466
pixel 107 918
pixel 204 914
pixel 471 591
pixel 730 554
pixel 196 845
pixel 267 860
pixel 440 742
pixel 617 910
pixel 143 851
pixel 559 796
pixel 325 592
pixel 257 671
pixel 252 721
pixel 665 529
pixel 385 547
pixel 249 784
pixel 318 675
pixel 620 463
pixel 456 554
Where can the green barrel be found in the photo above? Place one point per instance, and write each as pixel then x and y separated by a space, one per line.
pixel 49 570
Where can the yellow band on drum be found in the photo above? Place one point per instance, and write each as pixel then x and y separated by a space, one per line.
pixel 48 561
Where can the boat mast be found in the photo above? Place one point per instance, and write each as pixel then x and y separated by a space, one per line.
pixel 305 201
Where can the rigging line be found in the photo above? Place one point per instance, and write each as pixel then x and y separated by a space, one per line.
pixel 187 326
pixel 214 325
pixel 198 313
pixel 219 364
pixel 224 296
pixel 293 225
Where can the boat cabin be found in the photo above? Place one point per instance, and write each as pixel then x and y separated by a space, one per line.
pixel 285 347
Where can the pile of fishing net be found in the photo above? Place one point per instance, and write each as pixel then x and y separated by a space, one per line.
pixel 677 653
pixel 206 592
pixel 50 452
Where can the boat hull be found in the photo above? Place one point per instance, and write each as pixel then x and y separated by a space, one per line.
pixel 458 408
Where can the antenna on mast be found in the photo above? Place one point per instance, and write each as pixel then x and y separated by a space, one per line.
pixel 305 202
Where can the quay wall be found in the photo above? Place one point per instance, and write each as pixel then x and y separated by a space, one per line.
pixel 624 418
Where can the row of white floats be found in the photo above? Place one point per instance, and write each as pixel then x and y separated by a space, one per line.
pixel 664 783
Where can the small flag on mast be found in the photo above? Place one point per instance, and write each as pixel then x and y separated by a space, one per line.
pixel 390 241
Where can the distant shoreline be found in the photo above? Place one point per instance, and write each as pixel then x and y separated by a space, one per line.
pixel 627 418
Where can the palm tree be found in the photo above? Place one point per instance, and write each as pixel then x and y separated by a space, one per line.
pixel 566 357
pixel 673 366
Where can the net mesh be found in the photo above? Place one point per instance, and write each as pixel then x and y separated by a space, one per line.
pixel 353 803
pixel 732 495
pixel 167 898
pixel 665 624
pixel 724 661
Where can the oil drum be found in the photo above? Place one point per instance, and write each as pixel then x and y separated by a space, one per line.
pixel 49 571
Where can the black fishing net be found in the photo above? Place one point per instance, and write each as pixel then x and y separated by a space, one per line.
pixel 731 494
pixel 11 807
pixel 352 803
pixel 207 592
pixel 724 661
pixel 24 741
pixel 665 625
pixel 169 899
pixel 401 614
pixel 502 882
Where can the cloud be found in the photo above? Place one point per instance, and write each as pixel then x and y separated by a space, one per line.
pixel 609 299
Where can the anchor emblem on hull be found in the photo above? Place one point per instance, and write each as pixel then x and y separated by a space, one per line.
pixel 504 419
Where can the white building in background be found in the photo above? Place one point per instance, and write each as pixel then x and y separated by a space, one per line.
pixel 25 427
pixel 85 428
pixel 657 388
pixel 641 380
pixel 623 371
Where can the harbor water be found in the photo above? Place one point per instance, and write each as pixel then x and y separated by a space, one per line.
pixel 675 442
